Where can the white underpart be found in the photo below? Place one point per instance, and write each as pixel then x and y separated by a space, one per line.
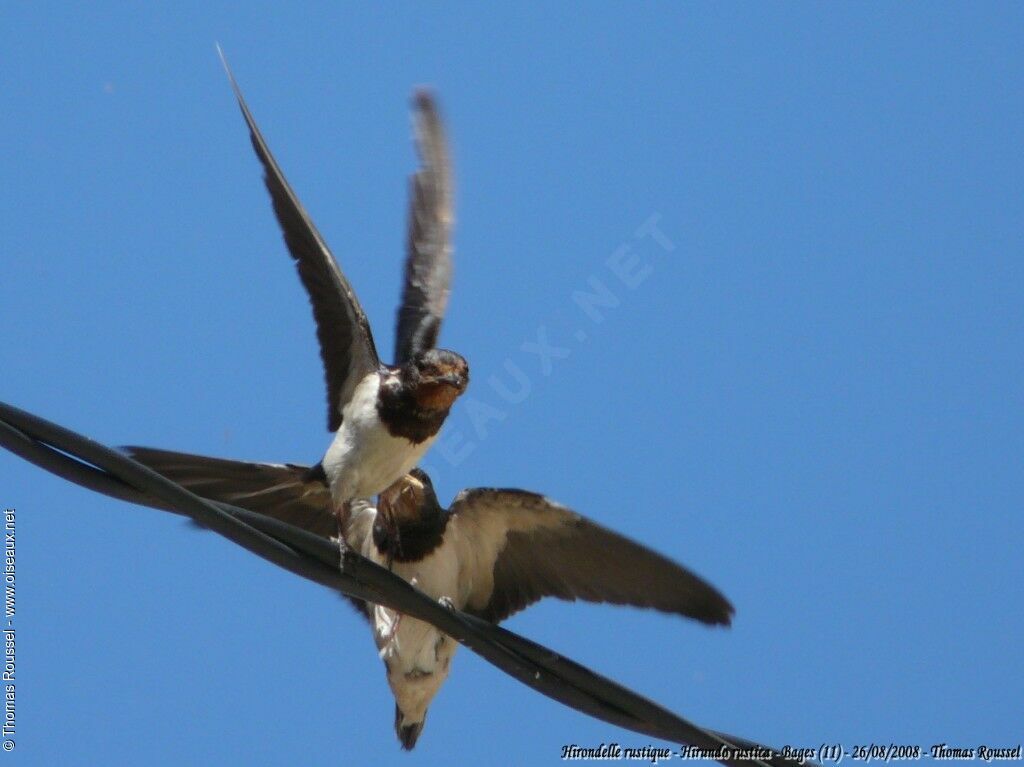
pixel 364 459
pixel 417 656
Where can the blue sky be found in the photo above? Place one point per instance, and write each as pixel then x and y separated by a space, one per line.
pixel 813 398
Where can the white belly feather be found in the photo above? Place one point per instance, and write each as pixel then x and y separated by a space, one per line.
pixel 416 654
pixel 364 458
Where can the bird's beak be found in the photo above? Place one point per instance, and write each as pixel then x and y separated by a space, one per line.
pixel 452 379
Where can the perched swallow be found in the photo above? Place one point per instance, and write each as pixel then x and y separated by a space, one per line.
pixel 491 553
pixel 385 416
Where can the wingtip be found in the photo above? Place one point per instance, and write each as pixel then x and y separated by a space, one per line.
pixel 704 604
pixel 431 142
pixel 711 606
pixel 426 110
pixel 222 57
pixel 228 72
pixel 423 98
pixel 720 613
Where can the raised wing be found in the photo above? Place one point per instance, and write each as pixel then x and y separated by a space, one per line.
pixel 428 263
pixel 520 547
pixel 346 344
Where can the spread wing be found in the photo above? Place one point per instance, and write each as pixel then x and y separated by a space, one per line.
pixel 346 344
pixel 428 264
pixel 519 547
pixel 292 493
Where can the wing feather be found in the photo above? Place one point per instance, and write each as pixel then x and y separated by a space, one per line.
pixel 428 264
pixel 346 343
pixel 289 492
pixel 285 491
pixel 518 547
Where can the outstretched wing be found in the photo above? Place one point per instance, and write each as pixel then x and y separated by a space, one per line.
pixel 346 344
pixel 519 547
pixel 292 493
pixel 428 263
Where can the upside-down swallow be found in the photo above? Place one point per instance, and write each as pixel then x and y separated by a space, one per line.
pixel 491 553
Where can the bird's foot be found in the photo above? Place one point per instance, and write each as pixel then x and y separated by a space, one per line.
pixel 342 551
pixel 392 633
pixel 342 514
pixel 448 603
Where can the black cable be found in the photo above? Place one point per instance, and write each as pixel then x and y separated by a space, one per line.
pixel 96 467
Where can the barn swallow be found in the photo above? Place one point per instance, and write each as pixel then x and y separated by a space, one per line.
pixel 492 553
pixel 385 417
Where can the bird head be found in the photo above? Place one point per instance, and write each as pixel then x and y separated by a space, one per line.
pixel 438 377
pixel 409 497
